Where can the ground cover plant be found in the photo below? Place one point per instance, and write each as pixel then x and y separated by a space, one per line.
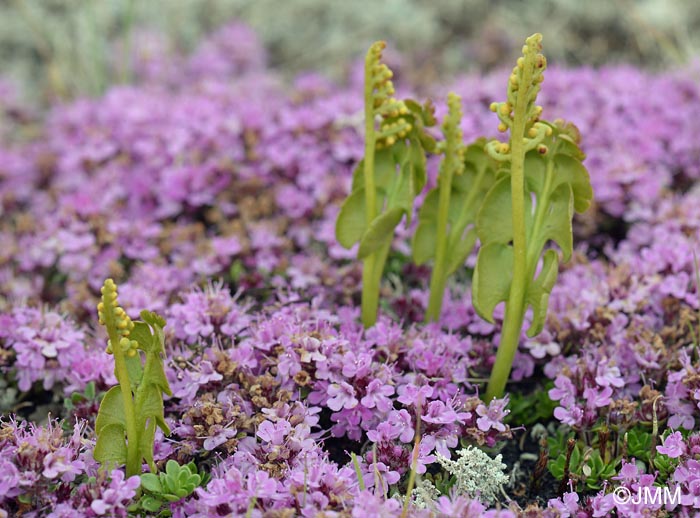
pixel 257 384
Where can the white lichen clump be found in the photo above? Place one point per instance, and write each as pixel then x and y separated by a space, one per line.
pixel 476 475
pixel 425 494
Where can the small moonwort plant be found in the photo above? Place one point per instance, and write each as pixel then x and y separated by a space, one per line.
pixel 452 165
pixel 129 413
pixel 387 180
pixel 531 204
pixel 445 229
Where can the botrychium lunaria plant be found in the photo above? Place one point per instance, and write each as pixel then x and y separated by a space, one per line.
pixel 387 180
pixel 445 231
pixel 530 205
pixel 130 411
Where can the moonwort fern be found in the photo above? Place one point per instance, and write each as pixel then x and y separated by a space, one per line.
pixel 387 180
pixel 531 204
pixel 129 412
pixel 445 230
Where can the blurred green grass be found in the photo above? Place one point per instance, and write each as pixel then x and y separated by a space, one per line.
pixel 68 48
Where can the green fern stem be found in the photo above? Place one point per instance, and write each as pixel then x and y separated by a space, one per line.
pixel 370 279
pixel 533 250
pixel 512 325
pixel 133 457
pixel 438 279
pixel 469 202
pixel 139 400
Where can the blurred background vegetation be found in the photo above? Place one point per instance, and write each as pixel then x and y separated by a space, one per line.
pixel 67 48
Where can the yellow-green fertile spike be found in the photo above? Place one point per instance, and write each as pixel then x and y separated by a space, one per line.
pixel 454 146
pixel 523 86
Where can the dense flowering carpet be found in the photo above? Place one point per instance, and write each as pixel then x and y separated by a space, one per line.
pixel 209 192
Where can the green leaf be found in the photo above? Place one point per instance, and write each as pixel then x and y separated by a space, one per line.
pixel 424 243
pixel 146 440
pixel 427 142
pixel 532 408
pixel 571 171
pixel 144 336
pixel 358 176
pixel 556 444
pixel 413 106
pixel 111 444
pixel 170 482
pixel 575 460
pixel 476 158
pixel 151 504
pixel 385 167
pixel 352 222
pixel 424 238
pixel 494 222
pixel 151 482
pixel 157 323
pixel 556 467
pixel 152 318
pixel 639 444
pixel 423 112
pixel 135 371
pixel 535 171
pixel 557 225
pixel 538 291
pixel 380 231
pixel 111 410
pixel 90 390
pixel 172 468
pixel 418 167
pixel 402 194
pixel 152 340
pixel 152 405
pixel 459 249
pixel 236 270
pixel 156 373
pixel 492 278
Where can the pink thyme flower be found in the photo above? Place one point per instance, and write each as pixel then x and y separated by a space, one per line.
pixel 378 395
pixel 342 395
pixel 492 417
pixel 117 495
pixel 673 446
